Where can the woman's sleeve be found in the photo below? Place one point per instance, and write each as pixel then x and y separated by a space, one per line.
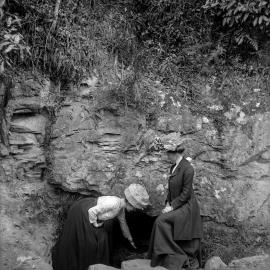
pixel 168 197
pixel 102 207
pixel 123 224
pixel 187 189
pixel 93 213
pixel 167 201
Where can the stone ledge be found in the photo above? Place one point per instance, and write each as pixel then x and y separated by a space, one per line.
pixel 139 264
pixel 136 264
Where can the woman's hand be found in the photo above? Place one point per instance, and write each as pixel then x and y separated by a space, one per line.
pixel 132 244
pixel 167 209
pixel 92 216
pixel 97 225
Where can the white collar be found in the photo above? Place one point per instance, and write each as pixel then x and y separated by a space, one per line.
pixel 177 163
pixel 122 203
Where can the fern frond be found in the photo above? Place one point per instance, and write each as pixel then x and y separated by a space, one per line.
pixel 252 42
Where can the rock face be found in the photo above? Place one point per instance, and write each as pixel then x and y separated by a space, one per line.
pixel 215 263
pixel 139 264
pixel 85 146
pixel 35 263
pixel 27 225
pixel 101 267
pixel 260 262
pixel 102 152
pixel 90 150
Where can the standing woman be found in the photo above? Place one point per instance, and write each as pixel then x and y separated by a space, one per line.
pixel 86 236
pixel 177 231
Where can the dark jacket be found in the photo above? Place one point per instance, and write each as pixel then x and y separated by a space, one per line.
pixel 187 220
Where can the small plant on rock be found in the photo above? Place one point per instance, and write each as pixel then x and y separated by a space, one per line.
pixel 12 45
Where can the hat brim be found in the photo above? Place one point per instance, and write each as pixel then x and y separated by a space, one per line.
pixel 170 151
pixel 179 151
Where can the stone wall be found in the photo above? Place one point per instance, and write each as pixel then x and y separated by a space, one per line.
pixel 81 145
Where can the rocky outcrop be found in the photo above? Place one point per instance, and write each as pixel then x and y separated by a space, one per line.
pixel 139 264
pixel 28 204
pixel 83 145
pixel 259 262
pixel 34 263
pixel 101 267
pixel 103 151
pixel 90 150
pixel 215 263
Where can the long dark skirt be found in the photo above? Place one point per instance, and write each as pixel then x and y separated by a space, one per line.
pixel 164 250
pixel 81 244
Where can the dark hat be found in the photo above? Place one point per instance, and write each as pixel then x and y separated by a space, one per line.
pixel 178 149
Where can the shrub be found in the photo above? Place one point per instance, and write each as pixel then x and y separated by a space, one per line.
pixel 245 24
pixel 88 35
pixel 168 25
pixel 173 40
pixel 135 90
pixel 12 45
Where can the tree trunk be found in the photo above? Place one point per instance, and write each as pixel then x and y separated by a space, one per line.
pixel 56 11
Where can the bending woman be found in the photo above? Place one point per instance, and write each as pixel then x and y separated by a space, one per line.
pixel 86 236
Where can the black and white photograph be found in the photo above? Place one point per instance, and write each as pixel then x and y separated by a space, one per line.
pixel 134 134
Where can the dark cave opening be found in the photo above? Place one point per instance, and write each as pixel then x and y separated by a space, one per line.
pixel 140 226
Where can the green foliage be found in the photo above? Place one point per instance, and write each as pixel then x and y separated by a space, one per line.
pixel 171 41
pixel 247 22
pixel 236 85
pixel 135 90
pixel 169 25
pixel 87 37
pixel 69 52
pixel 12 45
